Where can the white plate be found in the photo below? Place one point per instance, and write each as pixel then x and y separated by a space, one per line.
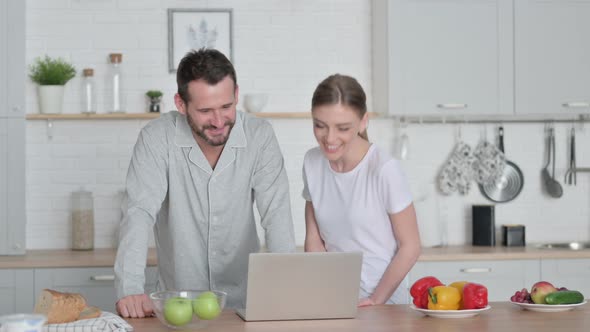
pixel 451 313
pixel 548 307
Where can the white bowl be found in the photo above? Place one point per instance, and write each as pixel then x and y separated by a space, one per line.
pixel 255 102
pixel 23 322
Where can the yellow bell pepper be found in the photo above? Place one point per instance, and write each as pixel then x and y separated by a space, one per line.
pixel 443 298
pixel 459 285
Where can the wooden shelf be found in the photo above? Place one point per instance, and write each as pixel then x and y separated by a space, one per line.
pixel 147 116
pixel 110 116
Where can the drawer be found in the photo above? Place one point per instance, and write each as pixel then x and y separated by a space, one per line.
pixel 568 267
pixel 97 285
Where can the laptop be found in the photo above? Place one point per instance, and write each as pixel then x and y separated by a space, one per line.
pixel 313 285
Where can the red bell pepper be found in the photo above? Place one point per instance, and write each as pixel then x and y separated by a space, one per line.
pixel 475 296
pixel 419 290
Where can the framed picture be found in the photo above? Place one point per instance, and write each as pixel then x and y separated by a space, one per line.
pixel 192 29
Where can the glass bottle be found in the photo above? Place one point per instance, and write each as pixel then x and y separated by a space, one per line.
pixel 88 91
pixel 115 102
pixel 82 220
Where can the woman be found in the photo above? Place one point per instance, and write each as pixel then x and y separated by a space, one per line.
pixel 357 196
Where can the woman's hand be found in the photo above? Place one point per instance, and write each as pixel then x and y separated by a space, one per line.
pixel 365 302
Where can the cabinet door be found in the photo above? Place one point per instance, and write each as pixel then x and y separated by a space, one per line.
pixel 443 57
pixel 12 58
pixel 96 284
pixel 552 55
pixel 16 293
pixel 573 274
pixel 502 278
pixel 12 127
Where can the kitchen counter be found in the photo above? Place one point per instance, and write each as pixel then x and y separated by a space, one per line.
pixel 502 317
pixel 66 258
pixel 468 252
pixel 106 257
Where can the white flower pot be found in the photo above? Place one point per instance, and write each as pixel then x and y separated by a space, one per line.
pixel 51 98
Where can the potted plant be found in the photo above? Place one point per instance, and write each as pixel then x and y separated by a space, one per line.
pixel 51 75
pixel 155 97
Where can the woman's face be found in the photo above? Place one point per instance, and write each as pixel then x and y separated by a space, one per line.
pixel 336 128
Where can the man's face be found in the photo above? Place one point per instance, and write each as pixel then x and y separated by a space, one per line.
pixel 211 110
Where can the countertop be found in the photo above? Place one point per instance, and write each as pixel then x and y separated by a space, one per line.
pixel 66 258
pixel 106 257
pixel 502 317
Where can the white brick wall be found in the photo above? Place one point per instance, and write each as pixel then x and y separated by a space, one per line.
pixel 281 47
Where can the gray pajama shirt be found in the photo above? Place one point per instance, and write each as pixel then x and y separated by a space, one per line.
pixel 202 218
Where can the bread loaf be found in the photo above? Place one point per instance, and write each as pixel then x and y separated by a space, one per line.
pixel 60 307
pixel 90 312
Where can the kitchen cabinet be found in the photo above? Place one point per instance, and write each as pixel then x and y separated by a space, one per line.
pixel 571 273
pixel 16 293
pixel 552 56
pixel 12 127
pixel 443 57
pixel 96 284
pixel 12 58
pixel 501 277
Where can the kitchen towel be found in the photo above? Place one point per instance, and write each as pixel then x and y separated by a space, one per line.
pixel 107 322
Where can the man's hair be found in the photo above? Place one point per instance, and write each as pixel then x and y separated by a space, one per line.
pixel 205 64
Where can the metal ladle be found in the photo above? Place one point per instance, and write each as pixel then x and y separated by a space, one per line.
pixel 553 187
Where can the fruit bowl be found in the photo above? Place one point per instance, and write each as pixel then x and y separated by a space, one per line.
pixel 188 309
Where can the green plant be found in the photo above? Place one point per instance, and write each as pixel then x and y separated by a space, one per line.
pixel 152 94
pixel 48 71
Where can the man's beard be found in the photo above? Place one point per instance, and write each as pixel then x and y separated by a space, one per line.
pixel 213 141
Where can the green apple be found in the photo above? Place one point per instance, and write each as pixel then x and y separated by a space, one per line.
pixel 206 306
pixel 178 311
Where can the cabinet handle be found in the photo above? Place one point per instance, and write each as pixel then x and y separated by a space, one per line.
pixel 103 278
pixel 477 270
pixel 576 104
pixel 451 106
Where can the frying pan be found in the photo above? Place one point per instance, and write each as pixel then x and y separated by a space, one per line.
pixel 509 185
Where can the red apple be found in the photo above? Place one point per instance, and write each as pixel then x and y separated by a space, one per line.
pixel 540 290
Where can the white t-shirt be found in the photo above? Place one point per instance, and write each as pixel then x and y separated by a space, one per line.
pixel 352 210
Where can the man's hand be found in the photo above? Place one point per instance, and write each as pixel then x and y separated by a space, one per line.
pixel 135 306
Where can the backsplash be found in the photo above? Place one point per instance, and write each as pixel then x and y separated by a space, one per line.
pixel 283 48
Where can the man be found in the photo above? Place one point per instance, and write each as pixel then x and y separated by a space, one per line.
pixel 193 178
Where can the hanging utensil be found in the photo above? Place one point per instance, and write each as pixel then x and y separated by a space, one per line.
pixel 553 187
pixel 570 175
pixel 545 176
pixel 402 143
pixel 509 185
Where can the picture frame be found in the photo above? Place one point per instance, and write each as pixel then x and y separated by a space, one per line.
pixel 190 28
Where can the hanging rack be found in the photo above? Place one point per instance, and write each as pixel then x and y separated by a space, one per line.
pixel 474 119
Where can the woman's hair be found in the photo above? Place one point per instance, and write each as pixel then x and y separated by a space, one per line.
pixel 344 90
pixel 207 64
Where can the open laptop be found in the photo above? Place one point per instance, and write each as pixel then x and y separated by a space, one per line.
pixel 315 285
